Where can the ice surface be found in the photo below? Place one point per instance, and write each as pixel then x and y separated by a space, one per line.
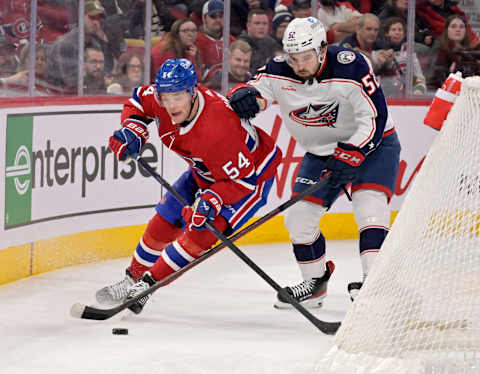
pixel 217 318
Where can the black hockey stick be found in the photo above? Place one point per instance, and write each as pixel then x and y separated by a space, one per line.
pixel 325 327
pixel 88 312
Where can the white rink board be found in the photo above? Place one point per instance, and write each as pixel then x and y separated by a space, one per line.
pixel 75 188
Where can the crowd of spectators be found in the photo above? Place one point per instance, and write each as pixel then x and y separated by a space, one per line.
pixel 114 46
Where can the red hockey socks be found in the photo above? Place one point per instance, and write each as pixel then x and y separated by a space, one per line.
pixel 158 234
pixel 185 249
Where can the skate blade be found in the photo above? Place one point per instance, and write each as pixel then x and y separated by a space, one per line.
pixel 308 304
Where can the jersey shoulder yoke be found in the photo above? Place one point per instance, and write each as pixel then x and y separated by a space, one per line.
pixel 347 63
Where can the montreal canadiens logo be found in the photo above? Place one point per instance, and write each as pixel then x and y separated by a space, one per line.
pixel 321 115
pixel 345 57
pixel 199 166
pixel 21 28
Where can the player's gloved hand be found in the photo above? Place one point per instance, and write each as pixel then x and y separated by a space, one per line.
pixel 243 100
pixel 206 207
pixel 343 164
pixel 129 140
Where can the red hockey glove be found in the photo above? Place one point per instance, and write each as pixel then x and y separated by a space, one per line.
pixel 129 140
pixel 343 164
pixel 206 207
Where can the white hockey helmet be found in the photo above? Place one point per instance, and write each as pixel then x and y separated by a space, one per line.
pixel 303 34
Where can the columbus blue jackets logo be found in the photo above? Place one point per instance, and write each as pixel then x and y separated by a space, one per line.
pixel 321 115
pixel 345 57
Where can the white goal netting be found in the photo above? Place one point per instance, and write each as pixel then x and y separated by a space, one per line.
pixel 419 310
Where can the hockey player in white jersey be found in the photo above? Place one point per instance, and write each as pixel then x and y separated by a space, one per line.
pixel 333 106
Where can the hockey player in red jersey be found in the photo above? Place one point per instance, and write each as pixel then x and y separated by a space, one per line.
pixel 231 170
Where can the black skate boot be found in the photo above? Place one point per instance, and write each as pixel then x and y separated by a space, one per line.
pixel 144 283
pixel 116 293
pixel 310 293
pixel 354 289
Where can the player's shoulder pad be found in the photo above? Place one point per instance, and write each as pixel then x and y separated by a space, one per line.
pixel 277 65
pixel 141 93
pixel 144 90
pixel 347 63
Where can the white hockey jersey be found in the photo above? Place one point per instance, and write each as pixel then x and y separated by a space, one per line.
pixel 344 103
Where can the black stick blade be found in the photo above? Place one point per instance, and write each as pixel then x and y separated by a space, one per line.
pixel 82 311
pixel 328 328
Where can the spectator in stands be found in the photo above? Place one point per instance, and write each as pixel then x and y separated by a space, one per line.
pixel 116 7
pixel 301 8
pixel 239 13
pixel 394 8
pixel 18 83
pixel 263 45
pixel 338 18
pixel 210 39
pixel 239 57
pixel 368 6
pixel 8 59
pixel 399 8
pixel 453 53
pixel 279 23
pixel 130 70
pixel 114 25
pixel 394 84
pixel 179 42
pixel 162 19
pixel 366 40
pixel 435 14
pixel 62 59
pixel 94 72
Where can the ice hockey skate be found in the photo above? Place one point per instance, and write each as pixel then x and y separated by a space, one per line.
pixel 144 283
pixel 310 293
pixel 354 289
pixel 116 293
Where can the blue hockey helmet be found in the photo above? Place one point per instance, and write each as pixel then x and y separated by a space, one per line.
pixel 176 74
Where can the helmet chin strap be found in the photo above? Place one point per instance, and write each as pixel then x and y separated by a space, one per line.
pixel 321 53
pixel 192 104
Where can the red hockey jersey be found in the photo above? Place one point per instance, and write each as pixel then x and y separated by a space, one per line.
pixel 225 154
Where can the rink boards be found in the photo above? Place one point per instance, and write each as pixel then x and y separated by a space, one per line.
pixel 65 200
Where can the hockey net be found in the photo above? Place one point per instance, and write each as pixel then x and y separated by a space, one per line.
pixel 419 310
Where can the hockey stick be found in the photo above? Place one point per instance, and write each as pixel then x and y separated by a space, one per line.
pixel 321 325
pixel 88 312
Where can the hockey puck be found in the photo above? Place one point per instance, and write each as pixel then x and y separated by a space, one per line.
pixel 120 331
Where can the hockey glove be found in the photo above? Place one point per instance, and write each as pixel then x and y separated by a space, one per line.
pixel 206 207
pixel 343 164
pixel 243 100
pixel 129 140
